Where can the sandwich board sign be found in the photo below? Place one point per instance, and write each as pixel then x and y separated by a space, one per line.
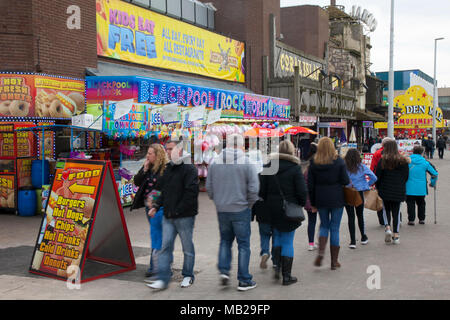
pixel 83 234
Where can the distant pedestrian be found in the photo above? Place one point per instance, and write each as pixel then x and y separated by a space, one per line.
pixel 357 173
pixel 287 183
pixel 146 179
pixel 179 197
pixel 392 173
pixel 416 186
pixel 312 212
pixel 326 178
pixel 441 146
pixel 233 185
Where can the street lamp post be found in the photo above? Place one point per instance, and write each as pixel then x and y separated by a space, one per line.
pixel 390 126
pixel 435 102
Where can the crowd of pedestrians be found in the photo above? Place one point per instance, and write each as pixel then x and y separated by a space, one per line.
pixel 169 187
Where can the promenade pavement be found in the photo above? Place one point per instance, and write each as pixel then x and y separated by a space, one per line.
pixel 417 268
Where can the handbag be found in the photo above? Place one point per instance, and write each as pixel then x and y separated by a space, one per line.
pixel 372 200
pixel 352 197
pixel 292 211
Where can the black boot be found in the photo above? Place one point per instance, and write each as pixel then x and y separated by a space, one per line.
pixel 276 255
pixel 286 265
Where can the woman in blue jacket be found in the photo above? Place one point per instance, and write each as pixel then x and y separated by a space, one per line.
pixel 416 186
pixel 357 172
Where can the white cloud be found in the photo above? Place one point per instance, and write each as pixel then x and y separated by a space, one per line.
pixel 416 25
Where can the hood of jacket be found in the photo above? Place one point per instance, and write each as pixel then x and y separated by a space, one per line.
pixel 184 158
pixel 231 155
pixel 284 156
pixel 417 159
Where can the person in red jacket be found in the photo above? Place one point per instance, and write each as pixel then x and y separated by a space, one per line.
pixel 373 166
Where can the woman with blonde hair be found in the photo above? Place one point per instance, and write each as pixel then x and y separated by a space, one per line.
pixel 327 176
pixel 146 179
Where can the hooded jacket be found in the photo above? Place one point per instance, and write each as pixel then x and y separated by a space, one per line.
pixel 179 189
pixel 290 179
pixel 232 182
pixel 326 182
pixel 391 184
pixel 417 180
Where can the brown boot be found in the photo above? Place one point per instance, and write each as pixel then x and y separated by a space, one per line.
pixel 334 250
pixel 321 253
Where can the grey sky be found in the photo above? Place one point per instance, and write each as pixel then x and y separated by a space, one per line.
pixel 417 24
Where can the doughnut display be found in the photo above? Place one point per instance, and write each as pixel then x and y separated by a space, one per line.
pixel 15 108
pixel 53 104
pixel 4 107
pixel 19 108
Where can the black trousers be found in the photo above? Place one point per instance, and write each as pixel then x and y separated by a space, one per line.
pixel 351 219
pixel 441 153
pixel 411 202
pixel 391 210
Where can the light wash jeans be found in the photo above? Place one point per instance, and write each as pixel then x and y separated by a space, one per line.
pixel 183 227
pixel 235 225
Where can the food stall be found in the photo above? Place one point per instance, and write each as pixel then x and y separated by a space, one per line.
pixel 28 100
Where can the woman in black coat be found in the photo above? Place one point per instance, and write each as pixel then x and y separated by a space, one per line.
pixel 289 179
pixel 327 176
pixel 392 173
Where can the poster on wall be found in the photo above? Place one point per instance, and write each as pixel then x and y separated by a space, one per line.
pixel 34 95
pixel 16 95
pixel 134 34
pixel 24 172
pixel 82 195
pixel 58 98
pixel 7 194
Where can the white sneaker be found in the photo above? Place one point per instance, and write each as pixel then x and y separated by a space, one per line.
pixel 312 247
pixel 396 240
pixel 151 280
pixel 158 285
pixel 224 279
pixel 352 246
pixel 388 236
pixel 187 282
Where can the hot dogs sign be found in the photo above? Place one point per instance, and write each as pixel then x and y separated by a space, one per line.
pixel 82 195
pixel 29 95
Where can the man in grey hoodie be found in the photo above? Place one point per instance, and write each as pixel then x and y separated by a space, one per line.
pixel 233 185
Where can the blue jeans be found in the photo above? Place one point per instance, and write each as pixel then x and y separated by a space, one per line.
pixel 285 240
pixel 183 227
pixel 235 225
pixel 265 233
pixel 155 237
pixel 330 222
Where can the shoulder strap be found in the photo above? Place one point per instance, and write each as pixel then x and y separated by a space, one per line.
pixel 278 183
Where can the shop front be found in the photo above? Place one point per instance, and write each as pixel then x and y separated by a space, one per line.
pixel 136 111
pixel 29 100
pixel 416 119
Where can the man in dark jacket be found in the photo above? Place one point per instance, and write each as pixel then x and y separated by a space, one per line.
pixel 179 197
pixel 441 146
